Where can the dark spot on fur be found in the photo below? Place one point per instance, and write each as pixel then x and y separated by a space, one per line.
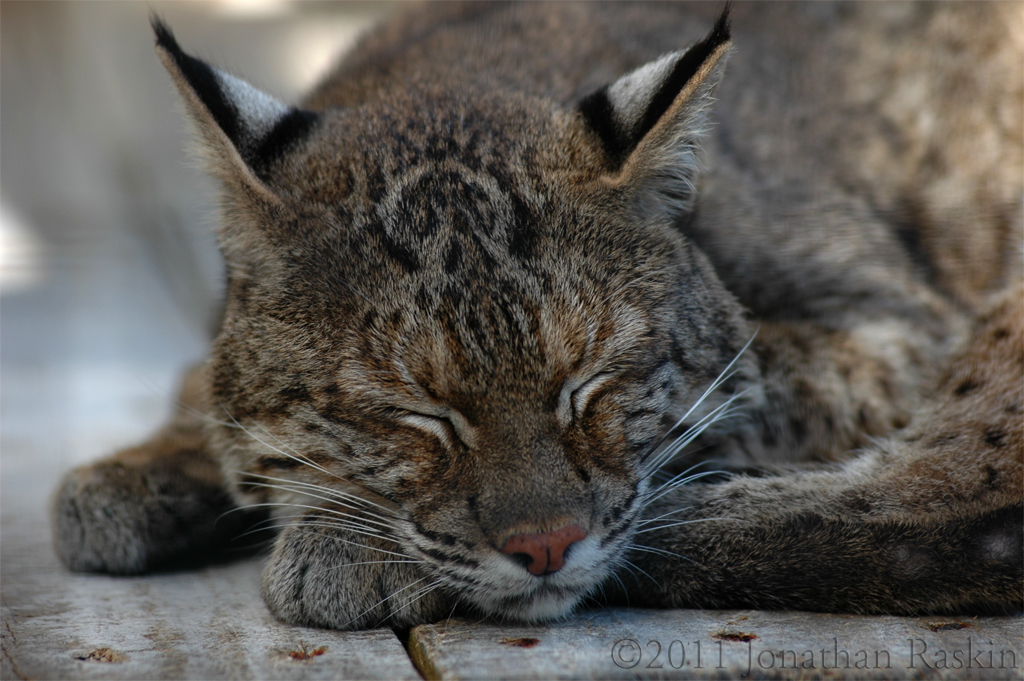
pixel 1000 334
pixel 474 507
pixel 947 626
pixel 523 243
pixel 440 537
pixel 288 131
pixel 802 390
pixel 887 387
pixel 995 437
pixel 943 440
pixel 370 471
pixel 908 222
pixel 444 557
pixel 859 504
pixel 862 418
pixel 599 115
pixel 266 462
pixel 296 392
pixel 614 534
pixel 966 387
pixel 400 254
pixel 799 429
pixel 768 435
pixel 453 258
pixel 248 486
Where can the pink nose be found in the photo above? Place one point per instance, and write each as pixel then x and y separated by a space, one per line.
pixel 546 550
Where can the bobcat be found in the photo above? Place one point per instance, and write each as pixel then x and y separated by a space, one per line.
pixel 512 279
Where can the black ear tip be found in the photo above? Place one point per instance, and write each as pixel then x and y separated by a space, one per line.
pixel 164 36
pixel 722 31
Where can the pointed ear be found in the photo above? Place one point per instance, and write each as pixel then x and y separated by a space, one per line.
pixel 243 129
pixel 650 121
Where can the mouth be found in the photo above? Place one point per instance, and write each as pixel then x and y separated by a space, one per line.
pixel 545 602
pixel 511 593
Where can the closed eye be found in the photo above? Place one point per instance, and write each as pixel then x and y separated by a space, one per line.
pixel 575 397
pixel 440 428
pixel 450 429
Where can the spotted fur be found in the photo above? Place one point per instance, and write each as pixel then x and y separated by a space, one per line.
pixel 487 282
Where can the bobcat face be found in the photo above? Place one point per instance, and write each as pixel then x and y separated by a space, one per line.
pixel 466 309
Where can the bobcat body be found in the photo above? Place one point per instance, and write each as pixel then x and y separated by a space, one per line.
pixel 509 272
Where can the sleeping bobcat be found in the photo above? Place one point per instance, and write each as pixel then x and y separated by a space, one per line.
pixel 486 315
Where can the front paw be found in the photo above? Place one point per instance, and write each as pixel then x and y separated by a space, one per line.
pixel 129 514
pixel 328 577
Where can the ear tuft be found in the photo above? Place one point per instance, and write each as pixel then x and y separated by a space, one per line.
pixel 623 112
pixel 244 127
pixel 202 78
pixel 650 121
pixel 685 70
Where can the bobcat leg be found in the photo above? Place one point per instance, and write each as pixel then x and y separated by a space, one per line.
pixel 324 575
pixel 929 520
pixel 830 391
pixel 146 507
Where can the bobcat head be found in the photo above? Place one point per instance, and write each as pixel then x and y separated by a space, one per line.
pixel 459 318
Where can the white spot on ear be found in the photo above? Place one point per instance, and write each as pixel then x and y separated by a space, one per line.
pixel 631 95
pixel 258 110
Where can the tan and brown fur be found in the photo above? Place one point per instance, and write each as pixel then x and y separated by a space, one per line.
pixel 477 277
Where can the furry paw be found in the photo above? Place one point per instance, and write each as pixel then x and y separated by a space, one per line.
pixel 131 514
pixel 329 577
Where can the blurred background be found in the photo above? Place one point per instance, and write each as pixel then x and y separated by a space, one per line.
pixel 109 275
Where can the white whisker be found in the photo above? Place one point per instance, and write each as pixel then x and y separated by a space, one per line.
pixel 300 459
pixel 385 599
pixel 692 433
pixel 365 562
pixel 339 494
pixel 383 522
pixel 642 571
pixel 725 375
pixel 687 522
pixel 660 552
pixel 664 515
pixel 345 528
pixel 360 529
pixel 676 483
